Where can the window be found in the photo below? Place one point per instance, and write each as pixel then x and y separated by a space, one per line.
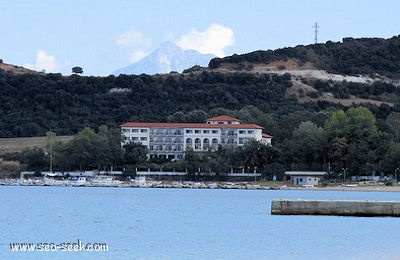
pixel 206 143
pixel 215 131
pixel 197 144
pixel 250 132
pixel 135 138
pixel 143 138
pixel 197 131
pixel 214 143
pixel 126 130
pixel 135 130
pixel 206 131
pixel 242 132
pixel 143 130
pixel 189 131
pixel 189 143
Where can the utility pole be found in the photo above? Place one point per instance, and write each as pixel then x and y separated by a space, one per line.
pixel 344 174
pixel 316 26
pixel 51 138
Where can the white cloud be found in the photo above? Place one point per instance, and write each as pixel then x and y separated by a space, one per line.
pixel 133 39
pixel 138 55
pixel 213 40
pixel 43 62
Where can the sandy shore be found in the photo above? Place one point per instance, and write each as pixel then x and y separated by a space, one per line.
pixel 383 188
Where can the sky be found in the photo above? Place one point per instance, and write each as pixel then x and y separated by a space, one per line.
pixel 102 36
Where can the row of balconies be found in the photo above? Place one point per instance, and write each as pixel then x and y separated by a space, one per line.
pixel 165 141
pixel 167 134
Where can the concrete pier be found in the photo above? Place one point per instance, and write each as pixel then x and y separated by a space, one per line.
pixel 336 207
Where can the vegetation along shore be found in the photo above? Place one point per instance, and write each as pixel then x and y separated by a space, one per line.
pixel 331 107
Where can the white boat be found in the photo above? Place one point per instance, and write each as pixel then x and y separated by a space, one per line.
pixel 81 181
pixel 107 182
pixel 53 182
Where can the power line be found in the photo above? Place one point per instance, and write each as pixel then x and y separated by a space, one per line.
pixel 316 26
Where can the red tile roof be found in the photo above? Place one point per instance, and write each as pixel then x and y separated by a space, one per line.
pixel 191 125
pixel 223 118
pixel 266 135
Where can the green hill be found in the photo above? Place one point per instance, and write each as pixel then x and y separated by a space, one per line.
pixel 276 89
pixel 366 56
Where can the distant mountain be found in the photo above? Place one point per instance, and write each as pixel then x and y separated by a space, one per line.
pixel 165 59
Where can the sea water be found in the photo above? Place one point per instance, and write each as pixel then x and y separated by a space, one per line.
pixel 138 223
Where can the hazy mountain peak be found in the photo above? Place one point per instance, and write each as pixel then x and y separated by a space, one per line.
pixel 168 57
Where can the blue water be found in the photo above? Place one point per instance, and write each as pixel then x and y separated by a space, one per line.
pixel 189 224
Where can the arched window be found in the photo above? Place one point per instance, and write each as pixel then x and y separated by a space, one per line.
pixel 197 144
pixel 189 143
pixel 215 143
pixel 206 143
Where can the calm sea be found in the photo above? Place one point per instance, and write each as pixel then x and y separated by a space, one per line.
pixel 188 224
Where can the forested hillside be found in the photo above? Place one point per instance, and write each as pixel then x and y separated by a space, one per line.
pixel 365 56
pixel 33 103
pixel 333 120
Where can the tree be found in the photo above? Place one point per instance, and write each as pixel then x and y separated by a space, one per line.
pixel 91 150
pixel 394 122
pixel 134 153
pixel 306 150
pixel 360 119
pixel 355 141
pixel 255 154
pixel 192 161
pixel 77 70
pixel 35 160
pixel 392 158
pixel 336 123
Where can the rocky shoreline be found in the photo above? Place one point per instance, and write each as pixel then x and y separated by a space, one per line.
pixel 143 183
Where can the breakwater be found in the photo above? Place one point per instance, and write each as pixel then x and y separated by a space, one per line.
pixel 336 207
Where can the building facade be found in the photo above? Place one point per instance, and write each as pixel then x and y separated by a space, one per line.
pixel 305 178
pixel 170 140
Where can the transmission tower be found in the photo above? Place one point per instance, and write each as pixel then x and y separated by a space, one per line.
pixel 316 26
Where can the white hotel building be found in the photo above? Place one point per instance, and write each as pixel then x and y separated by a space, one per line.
pixel 170 140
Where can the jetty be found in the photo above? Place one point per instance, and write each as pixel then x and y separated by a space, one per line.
pixel 336 207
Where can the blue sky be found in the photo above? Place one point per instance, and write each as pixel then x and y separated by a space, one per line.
pixel 102 36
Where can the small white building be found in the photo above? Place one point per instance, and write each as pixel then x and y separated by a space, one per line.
pixel 304 178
